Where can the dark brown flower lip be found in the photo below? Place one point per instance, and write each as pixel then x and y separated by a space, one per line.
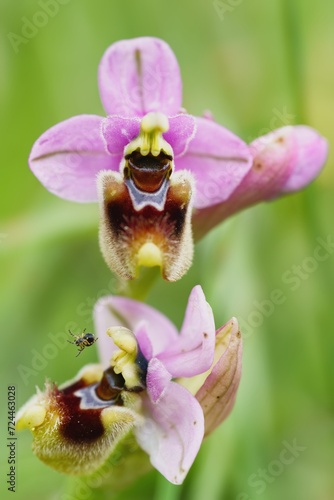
pixel 81 404
pixel 130 219
pixel 78 424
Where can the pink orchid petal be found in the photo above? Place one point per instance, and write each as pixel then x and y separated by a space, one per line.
pixel 273 158
pixel 120 311
pixel 138 76
pixel 172 433
pixel 118 132
pixel 312 151
pixel 194 350
pixel 218 159
pixel 157 380
pixel 182 130
pixel 68 156
pixel 283 161
pixel 144 339
pixel 217 394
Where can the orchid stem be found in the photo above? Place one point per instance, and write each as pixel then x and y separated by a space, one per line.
pixel 139 288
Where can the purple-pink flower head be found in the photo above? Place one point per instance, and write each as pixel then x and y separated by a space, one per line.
pixel 168 390
pixel 157 170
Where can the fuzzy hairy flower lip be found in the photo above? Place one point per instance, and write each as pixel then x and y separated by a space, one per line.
pixel 132 236
pixel 148 223
pixel 74 431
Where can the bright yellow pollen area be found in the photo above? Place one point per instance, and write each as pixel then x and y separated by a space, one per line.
pixel 124 360
pixel 150 139
pixel 32 417
pixel 149 255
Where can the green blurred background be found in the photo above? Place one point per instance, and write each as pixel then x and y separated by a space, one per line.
pixel 248 62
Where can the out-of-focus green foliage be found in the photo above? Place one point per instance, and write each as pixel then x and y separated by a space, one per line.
pixel 256 66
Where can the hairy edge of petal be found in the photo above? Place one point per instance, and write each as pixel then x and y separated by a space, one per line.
pixel 218 393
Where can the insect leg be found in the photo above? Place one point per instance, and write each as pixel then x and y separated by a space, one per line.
pixel 80 351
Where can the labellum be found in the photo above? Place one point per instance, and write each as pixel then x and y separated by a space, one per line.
pixel 146 208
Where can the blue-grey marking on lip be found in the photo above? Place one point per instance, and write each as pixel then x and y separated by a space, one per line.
pixel 142 199
pixel 90 400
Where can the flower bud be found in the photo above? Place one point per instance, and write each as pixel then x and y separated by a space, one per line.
pixel 217 394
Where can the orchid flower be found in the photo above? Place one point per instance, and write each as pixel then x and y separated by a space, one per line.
pixel 166 389
pixel 159 172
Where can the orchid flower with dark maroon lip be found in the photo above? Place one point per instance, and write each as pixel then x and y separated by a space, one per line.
pixel 148 163
pixel 155 169
pixel 169 389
